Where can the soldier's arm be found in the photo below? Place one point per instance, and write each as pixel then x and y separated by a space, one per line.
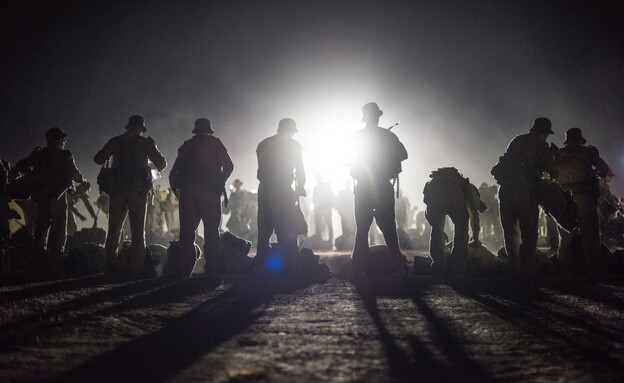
pixel 602 169
pixel 74 173
pixel 401 151
pixel 227 167
pixel 155 156
pixel 547 160
pixel 104 154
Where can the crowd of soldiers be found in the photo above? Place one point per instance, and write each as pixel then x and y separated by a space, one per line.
pixel 565 189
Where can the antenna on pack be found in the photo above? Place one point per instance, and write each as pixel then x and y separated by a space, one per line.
pixel 395 124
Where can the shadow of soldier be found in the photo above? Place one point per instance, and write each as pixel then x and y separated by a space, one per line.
pixel 414 353
pixel 160 355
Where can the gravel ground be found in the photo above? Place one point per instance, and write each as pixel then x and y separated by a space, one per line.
pixel 288 329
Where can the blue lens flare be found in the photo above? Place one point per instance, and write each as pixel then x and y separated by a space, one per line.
pixel 275 263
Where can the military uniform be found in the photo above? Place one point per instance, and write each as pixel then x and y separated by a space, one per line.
pixel 518 173
pixel 579 167
pixel 198 176
pixel 450 194
pixel 54 170
pixel 376 167
pixel 280 162
pixel 130 153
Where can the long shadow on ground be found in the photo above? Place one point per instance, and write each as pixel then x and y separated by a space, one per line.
pixel 419 364
pixel 161 355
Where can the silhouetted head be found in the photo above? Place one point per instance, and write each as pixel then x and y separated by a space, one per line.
pixel 287 126
pixel 371 113
pixel 574 136
pixel 237 184
pixel 55 137
pixel 136 123
pixel 542 125
pixel 203 126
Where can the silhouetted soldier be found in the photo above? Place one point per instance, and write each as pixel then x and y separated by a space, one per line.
pixel 323 199
pixel 198 177
pixel 238 223
pixel 345 210
pixel 378 163
pixel 579 168
pixel 280 163
pixel 518 173
pixel 451 194
pixel 402 209
pixel 130 153
pixel 54 170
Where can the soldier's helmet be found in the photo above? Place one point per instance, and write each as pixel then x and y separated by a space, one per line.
pixel 371 111
pixel 287 125
pixel 542 125
pixel 136 120
pixel 54 134
pixel 574 135
pixel 203 126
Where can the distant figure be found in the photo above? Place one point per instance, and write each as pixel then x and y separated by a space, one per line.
pixel 402 210
pixel 378 163
pixel 580 168
pixel 280 163
pixel 323 199
pixel 518 172
pixel 198 178
pixel 344 204
pixel 130 153
pixel 53 169
pixel 238 223
pixel 450 194
pixel 490 219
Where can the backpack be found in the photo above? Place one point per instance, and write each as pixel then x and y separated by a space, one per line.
pixel 130 176
pixel 572 168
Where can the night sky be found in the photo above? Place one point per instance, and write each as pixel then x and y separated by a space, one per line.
pixel 463 78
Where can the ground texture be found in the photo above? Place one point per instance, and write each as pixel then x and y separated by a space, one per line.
pixel 305 329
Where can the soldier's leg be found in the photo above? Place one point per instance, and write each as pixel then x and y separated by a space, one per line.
pixel 57 236
pixel 510 225
pixel 528 220
pixel 189 220
pixel 282 201
pixel 363 205
pixel 589 226
pixel 330 225
pixel 459 216
pixel 211 216
pixel 265 224
pixel 118 208
pixel 385 217
pixel 565 255
pixel 42 222
pixel 436 219
pixel 137 205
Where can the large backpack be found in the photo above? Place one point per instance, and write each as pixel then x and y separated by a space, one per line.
pixel 130 176
pixel 572 169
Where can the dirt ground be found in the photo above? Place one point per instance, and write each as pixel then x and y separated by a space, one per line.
pixel 300 329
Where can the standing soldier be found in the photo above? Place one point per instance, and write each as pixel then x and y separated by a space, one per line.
pixel 518 173
pixel 198 178
pixel 378 163
pixel 579 168
pixel 128 195
pixel 280 162
pixel 53 170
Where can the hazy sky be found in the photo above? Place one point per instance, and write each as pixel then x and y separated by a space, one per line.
pixel 463 78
